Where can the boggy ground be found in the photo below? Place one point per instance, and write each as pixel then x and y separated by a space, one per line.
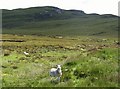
pixel 85 61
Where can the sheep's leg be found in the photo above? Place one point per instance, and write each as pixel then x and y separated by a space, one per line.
pixel 51 79
pixel 58 79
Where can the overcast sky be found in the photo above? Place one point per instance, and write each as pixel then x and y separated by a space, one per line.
pixel 88 6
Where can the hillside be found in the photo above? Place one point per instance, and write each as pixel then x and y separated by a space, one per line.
pixel 55 21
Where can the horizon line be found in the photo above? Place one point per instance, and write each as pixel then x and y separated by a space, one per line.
pixel 59 8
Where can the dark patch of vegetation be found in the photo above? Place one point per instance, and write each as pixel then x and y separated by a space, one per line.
pixel 14 67
pixel 7 52
pixel 71 63
pixel 99 33
pixel 12 40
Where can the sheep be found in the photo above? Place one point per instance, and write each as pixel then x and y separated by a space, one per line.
pixel 26 54
pixel 56 72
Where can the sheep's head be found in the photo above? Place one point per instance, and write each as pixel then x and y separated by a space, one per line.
pixel 59 67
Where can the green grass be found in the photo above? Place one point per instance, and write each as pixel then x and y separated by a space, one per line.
pixel 71 27
pixel 81 68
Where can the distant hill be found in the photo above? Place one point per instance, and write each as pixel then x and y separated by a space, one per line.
pixel 49 20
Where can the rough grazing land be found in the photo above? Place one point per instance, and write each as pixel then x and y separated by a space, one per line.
pixel 86 61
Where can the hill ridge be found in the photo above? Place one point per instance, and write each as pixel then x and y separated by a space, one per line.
pixel 55 21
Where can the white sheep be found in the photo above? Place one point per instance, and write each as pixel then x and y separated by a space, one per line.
pixel 56 72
